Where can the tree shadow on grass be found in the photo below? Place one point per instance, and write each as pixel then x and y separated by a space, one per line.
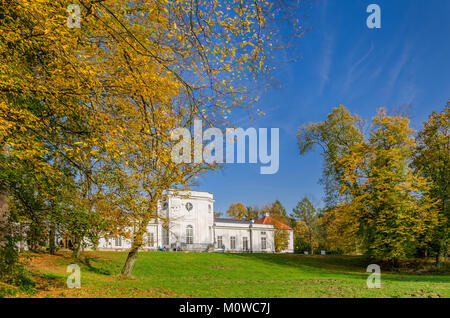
pixel 319 262
pixel 99 266
pixel 343 265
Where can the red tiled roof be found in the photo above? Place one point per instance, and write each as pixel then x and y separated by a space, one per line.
pixel 274 222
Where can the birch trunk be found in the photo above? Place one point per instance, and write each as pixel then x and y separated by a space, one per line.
pixel 4 216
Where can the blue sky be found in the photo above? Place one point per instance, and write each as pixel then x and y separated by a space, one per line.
pixel 406 62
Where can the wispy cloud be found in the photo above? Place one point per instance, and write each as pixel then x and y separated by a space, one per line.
pixel 399 65
pixel 351 77
pixel 394 67
pixel 362 59
pixel 326 61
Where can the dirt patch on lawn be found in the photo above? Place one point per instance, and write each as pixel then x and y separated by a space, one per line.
pixel 45 262
pixel 423 294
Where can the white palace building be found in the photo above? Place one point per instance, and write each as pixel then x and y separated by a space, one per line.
pixel 191 226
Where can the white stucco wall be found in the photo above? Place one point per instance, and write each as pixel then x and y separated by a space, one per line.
pixel 253 233
pixel 201 217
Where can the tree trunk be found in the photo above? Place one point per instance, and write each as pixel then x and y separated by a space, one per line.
pixel 129 263
pixel 21 236
pixel 52 239
pixel 395 262
pixel 138 239
pixel 310 242
pixel 438 260
pixel 133 253
pixel 77 249
pixel 4 216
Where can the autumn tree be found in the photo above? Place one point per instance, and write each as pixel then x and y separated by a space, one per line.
pixel 253 212
pixel 281 239
pixel 277 213
pixel 338 233
pixel 106 97
pixel 383 205
pixel 432 160
pixel 306 213
pixel 275 210
pixel 77 216
pixel 237 211
pixel 66 97
pixel 334 137
pixel 213 49
pixel 384 196
pixel 304 238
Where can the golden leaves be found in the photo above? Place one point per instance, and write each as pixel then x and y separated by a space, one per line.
pixel 104 98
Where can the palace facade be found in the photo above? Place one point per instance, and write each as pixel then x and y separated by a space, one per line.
pixel 186 222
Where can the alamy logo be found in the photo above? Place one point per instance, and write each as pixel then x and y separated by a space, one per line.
pixel 74 279
pixel 74 18
pixel 213 152
pixel 374 279
pixel 374 19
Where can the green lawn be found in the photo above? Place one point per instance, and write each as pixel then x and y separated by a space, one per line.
pixel 177 274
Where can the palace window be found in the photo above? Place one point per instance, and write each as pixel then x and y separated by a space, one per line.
pixel 189 206
pixel 233 242
pixel 263 243
pixel 151 240
pixel 189 234
pixel 118 241
pixel 245 243
pixel 219 242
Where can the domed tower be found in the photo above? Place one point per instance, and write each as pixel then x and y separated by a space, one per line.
pixel 186 220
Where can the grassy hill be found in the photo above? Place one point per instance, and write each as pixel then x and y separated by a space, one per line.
pixel 177 274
